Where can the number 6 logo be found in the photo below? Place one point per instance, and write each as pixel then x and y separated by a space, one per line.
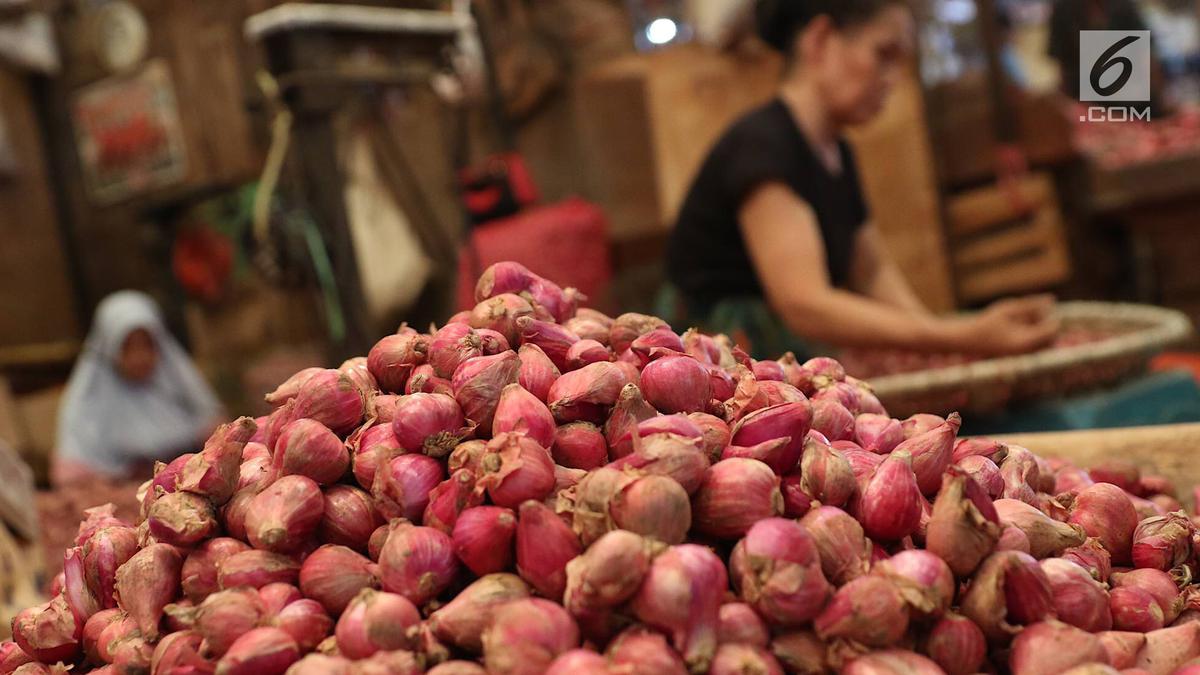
pixel 1116 57
pixel 1107 61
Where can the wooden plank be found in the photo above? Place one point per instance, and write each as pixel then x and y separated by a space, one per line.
pixel 1020 239
pixel 999 250
pixel 695 94
pixel 1034 273
pixel 38 417
pixel 10 422
pixel 1057 251
pixel 986 207
pixel 962 128
pixel 1041 234
pixel 617 138
pixel 209 88
pixel 1165 450
pixel 896 162
pixel 36 304
pixel 663 112
pixel 40 354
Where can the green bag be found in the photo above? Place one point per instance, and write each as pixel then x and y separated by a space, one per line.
pixel 746 319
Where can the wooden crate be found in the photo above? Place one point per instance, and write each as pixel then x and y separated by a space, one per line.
pixel 1005 244
pixel 962 126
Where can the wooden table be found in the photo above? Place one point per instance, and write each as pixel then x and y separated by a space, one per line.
pixel 1129 188
pixel 1172 451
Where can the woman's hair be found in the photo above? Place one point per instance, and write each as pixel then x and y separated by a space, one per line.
pixel 780 21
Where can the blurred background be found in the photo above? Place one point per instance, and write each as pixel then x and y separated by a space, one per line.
pixel 289 182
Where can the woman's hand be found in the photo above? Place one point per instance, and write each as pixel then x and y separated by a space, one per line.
pixel 1012 326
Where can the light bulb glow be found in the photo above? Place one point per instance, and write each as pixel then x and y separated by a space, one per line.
pixel 661 31
pixel 957 12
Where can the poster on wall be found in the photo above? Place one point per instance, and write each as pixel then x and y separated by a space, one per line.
pixel 128 134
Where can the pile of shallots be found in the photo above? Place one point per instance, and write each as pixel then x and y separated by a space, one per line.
pixel 535 488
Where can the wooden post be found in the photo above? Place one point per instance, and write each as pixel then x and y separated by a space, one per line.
pixel 315 148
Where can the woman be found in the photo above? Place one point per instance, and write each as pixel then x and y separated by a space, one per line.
pixel 774 239
pixel 133 397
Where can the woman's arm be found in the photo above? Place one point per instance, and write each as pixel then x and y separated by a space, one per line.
pixel 785 245
pixel 875 274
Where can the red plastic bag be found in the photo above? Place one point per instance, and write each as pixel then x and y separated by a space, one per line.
pixel 565 242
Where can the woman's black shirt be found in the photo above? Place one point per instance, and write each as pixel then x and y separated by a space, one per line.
pixel 707 260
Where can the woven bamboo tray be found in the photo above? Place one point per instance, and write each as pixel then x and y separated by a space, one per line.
pixel 1137 333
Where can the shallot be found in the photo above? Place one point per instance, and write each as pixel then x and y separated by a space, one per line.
pixel 869 610
pixel 146 583
pixel 429 423
pixel 525 636
pixel 261 651
pixel 890 503
pixel 375 621
pixel 1053 647
pixel 1079 599
pixel 461 621
pixel 742 625
pixel 682 595
pixel 845 552
pixel 609 572
pixel 957 645
pixel 333 575
pixel 777 569
pixel 483 538
pixel 417 563
pixel 1104 511
pixel 735 494
pixel 308 448
pixel 545 544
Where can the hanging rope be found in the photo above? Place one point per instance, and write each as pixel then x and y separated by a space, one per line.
pixel 281 137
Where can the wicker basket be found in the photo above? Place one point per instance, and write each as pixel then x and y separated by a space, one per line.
pixel 1138 332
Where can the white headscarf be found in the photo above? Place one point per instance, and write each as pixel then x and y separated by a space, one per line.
pixel 110 423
